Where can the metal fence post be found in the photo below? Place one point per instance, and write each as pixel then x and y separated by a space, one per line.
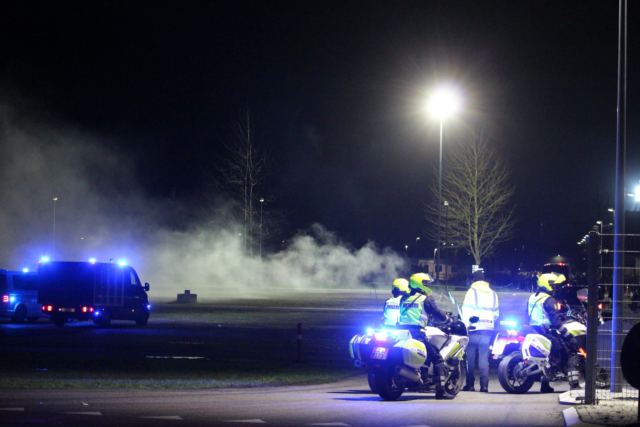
pixel 592 319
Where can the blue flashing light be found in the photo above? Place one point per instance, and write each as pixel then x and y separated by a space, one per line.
pixel 122 263
pixel 25 270
pixel 12 299
pixel 370 331
pixel 509 322
pixel 149 306
pixel 96 313
pixel 44 259
pixel 92 260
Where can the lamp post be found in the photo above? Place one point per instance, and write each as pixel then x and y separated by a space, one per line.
pixel 406 250
pixel 261 202
pixel 53 249
pixel 417 256
pixel 444 102
pixel 600 224
pixel 446 239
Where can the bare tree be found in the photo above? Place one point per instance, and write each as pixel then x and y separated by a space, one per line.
pixel 475 185
pixel 241 175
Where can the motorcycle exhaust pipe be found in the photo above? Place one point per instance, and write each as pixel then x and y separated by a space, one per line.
pixel 411 375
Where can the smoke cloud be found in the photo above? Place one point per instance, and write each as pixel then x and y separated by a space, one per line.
pixel 101 211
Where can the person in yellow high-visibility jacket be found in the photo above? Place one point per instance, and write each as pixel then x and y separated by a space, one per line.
pixel 399 289
pixel 482 302
pixel 418 309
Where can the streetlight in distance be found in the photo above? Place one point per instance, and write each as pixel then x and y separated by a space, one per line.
pixel 406 250
pixel 53 249
pixel 261 202
pixel 443 103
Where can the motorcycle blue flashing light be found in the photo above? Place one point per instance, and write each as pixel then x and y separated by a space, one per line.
pixel 44 259
pixel 25 270
pixel 509 322
pixel 370 331
pixel 122 263
pixel 92 260
pixel 12 299
pixel 149 306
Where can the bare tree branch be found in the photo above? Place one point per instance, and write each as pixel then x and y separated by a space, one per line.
pixel 475 185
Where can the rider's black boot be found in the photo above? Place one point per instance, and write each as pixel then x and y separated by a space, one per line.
pixel 546 388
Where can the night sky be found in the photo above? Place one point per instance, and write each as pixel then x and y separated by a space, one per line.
pixel 338 89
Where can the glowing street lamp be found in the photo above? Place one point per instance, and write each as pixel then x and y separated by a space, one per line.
pixel 53 249
pixel 443 103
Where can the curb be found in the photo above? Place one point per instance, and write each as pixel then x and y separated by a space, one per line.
pixel 571 397
pixel 571 419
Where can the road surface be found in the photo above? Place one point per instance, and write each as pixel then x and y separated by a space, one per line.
pixel 345 403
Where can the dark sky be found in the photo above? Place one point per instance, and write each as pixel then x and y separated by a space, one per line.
pixel 337 87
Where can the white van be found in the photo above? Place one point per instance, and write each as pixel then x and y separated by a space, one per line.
pixel 19 293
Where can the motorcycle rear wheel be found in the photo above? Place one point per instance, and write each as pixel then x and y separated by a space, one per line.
pixel 506 378
pixel 371 378
pixel 385 386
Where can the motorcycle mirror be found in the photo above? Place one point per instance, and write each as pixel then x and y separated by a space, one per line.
pixel 474 319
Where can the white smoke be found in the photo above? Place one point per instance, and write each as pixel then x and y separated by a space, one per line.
pixel 102 212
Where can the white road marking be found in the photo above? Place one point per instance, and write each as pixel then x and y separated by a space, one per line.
pixel 168 417
pixel 83 413
pixel 330 424
pixel 257 421
pixel 421 425
pixel 85 404
pixel 12 409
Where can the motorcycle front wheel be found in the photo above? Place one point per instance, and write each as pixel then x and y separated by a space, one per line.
pixel 386 385
pixel 371 378
pixel 457 376
pixel 508 381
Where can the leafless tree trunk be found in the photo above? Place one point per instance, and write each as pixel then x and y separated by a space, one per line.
pixel 475 184
pixel 240 176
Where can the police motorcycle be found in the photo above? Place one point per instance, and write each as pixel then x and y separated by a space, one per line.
pixel 397 359
pixel 539 356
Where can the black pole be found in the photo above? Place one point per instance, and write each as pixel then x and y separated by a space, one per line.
pixel 618 244
pixel 592 319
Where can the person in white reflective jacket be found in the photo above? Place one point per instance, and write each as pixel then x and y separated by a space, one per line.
pixel 482 302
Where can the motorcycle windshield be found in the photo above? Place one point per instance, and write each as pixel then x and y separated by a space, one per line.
pixel 447 302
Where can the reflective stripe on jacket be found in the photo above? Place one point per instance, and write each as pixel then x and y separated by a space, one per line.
pixel 412 310
pixel 535 309
pixel 481 301
pixel 392 311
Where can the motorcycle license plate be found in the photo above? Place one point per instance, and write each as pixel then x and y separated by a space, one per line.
pixel 380 353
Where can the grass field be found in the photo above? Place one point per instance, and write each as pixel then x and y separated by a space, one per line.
pixel 215 344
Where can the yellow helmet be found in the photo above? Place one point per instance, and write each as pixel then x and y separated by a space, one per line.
pixel 417 282
pixel 401 285
pixel 547 280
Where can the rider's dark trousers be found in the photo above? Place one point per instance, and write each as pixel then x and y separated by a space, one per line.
pixel 479 341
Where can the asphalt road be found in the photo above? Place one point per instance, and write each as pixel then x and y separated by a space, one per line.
pixel 345 403
pixel 332 321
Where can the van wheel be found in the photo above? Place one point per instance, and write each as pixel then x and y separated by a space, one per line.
pixel 104 319
pixel 142 319
pixel 19 314
pixel 58 320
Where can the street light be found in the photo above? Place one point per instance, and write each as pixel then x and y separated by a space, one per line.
pixel 406 250
pixel 417 238
pixel 600 223
pixel 443 103
pixel 261 202
pixel 53 250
